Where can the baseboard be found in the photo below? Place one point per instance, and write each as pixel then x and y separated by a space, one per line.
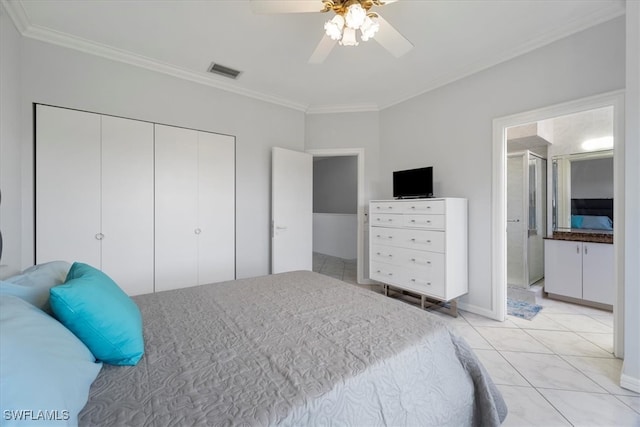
pixel 630 383
pixel 477 310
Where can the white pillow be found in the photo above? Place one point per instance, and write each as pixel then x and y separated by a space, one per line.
pixel 33 284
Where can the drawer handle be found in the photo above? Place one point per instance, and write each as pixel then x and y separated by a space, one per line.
pixel 377 207
pixel 413 220
pixel 377 253
pixel 413 260
pixel 99 236
pixel 390 255
pixel 428 221
pixel 390 220
pixel 389 274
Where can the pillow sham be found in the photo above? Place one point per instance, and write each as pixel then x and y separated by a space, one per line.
pixel 597 222
pixel 33 284
pixel 45 371
pixel 98 312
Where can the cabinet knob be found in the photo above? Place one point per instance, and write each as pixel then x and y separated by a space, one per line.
pixel 99 236
pixel 197 231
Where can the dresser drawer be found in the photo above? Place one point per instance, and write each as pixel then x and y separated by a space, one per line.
pixel 435 222
pixel 386 220
pixel 385 273
pixel 385 207
pixel 428 281
pixel 424 240
pixel 424 206
pixel 407 258
pixel 387 254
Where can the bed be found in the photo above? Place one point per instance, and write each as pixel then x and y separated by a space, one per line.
pixel 592 214
pixel 292 349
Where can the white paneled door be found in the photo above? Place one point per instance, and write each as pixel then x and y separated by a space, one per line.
pixel 176 207
pixel 195 207
pixel 216 208
pixel 67 185
pixel 127 203
pixel 291 210
pixel 94 194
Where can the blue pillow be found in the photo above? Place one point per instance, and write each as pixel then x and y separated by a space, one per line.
pixel 45 371
pixel 94 308
pixel 576 221
pixel 595 222
pixel 33 284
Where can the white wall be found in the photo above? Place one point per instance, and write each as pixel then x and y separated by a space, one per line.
pixel 68 78
pixel 10 146
pixel 335 234
pixel 631 367
pixel 451 127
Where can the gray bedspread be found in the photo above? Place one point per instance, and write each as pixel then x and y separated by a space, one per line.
pixel 293 349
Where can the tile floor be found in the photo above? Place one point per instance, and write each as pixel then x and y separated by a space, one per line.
pixel 554 370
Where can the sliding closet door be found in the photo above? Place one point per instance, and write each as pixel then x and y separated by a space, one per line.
pixel 176 154
pixel 216 208
pixel 67 185
pixel 127 203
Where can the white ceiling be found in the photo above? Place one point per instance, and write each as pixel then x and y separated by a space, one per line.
pixel 452 39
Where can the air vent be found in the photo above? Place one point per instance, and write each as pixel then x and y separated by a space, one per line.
pixel 223 71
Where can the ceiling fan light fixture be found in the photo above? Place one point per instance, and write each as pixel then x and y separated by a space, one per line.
pixel 349 37
pixel 369 28
pixel 334 27
pixel 355 16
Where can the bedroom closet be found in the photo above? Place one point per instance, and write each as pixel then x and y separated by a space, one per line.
pixel 153 206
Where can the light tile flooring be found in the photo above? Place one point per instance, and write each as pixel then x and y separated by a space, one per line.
pixel 554 370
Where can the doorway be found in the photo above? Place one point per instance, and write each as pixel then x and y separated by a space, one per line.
pixel 341 156
pixel 614 100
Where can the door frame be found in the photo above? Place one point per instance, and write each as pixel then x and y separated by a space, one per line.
pixel 359 154
pixel 613 99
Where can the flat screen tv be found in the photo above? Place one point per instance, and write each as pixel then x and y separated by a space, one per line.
pixel 413 183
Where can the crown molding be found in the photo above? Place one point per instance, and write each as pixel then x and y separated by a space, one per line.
pixel 21 20
pixel 17 14
pixel 573 27
pixel 330 109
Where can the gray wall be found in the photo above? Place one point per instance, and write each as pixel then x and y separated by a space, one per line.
pixel 631 366
pixel 335 185
pixel 10 146
pixel 451 127
pixel 592 179
pixel 87 82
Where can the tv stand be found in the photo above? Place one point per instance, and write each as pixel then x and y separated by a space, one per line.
pixel 419 246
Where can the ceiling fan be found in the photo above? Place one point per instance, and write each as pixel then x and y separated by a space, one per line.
pixel 350 16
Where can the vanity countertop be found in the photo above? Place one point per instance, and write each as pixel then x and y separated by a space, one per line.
pixel 582 236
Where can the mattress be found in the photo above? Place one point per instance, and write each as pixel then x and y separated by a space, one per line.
pixel 293 349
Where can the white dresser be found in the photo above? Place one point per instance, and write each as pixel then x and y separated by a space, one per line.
pixel 420 246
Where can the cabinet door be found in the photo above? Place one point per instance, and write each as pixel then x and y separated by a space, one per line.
pixel 216 208
pixel 563 268
pixel 67 181
pixel 176 157
pixel 127 203
pixel 597 272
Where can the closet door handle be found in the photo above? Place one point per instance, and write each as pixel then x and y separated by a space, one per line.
pixel 577 249
pixel 586 250
pixel 99 236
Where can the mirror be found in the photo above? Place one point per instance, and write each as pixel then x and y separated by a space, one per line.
pixel 582 192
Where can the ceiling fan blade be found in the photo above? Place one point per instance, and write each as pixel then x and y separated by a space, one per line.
pixel 391 39
pixel 323 50
pixel 286 6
